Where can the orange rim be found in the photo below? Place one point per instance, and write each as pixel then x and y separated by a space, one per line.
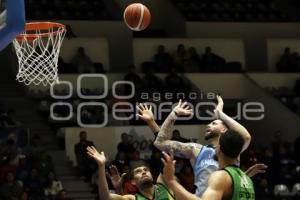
pixel 46 26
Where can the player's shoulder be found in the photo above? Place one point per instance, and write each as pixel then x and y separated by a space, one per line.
pixel 220 177
pixel 196 148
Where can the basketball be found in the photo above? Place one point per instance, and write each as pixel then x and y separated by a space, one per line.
pixel 137 16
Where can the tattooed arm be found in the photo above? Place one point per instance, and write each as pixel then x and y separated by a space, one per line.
pixel 163 140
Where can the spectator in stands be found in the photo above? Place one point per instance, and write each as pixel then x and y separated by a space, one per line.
pixel 34 149
pixel 152 83
pixel 211 62
pixel 34 186
pixel 177 137
pixel 9 151
pixel 84 163
pixel 70 34
pixel 155 161
pixel 86 116
pixel 7 120
pixel 135 79
pixel 136 159
pixel 193 63
pixel 174 83
pixel 23 169
pixel 120 161
pixel 180 56
pixel 295 62
pixel 83 63
pixel 52 186
pixel 284 63
pixel 11 189
pixel 44 165
pixel 297 87
pixel 163 59
pixel 125 146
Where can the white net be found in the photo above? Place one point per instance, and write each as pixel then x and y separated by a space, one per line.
pixel 38 51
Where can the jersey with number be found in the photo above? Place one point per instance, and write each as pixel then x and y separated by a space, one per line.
pixel 160 193
pixel 205 164
pixel 243 188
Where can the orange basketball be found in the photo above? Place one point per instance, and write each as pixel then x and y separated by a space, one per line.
pixel 137 16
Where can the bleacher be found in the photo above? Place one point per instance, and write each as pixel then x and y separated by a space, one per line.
pixel 240 11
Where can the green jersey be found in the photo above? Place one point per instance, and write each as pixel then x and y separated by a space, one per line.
pixel 243 188
pixel 160 193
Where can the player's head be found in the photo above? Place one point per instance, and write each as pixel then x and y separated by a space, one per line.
pixel 141 176
pixel 230 145
pixel 82 135
pixel 215 129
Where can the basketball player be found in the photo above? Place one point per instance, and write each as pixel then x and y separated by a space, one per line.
pixel 200 156
pixel 141 177
pixel 12 21
pixel 229 182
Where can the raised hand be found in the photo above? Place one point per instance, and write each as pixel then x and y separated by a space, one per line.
pixel 114 176
pixel 169 167
pixel 182 109
pixel 220 104
pixel 145 112
pixel 98 157
pixel 256 169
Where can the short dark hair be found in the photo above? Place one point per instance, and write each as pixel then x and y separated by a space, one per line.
pixel 231 143
pixel 134 166
pixel 82 132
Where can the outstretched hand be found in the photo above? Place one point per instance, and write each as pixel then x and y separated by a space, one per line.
pixel 145 112
pixel 182 109
pixel 169 167
pixel 256 169
pixel 98 157
pixel 114 176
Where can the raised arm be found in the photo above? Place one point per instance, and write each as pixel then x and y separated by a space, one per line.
pixel 163 140
pixel 218 183
pixel 146 114
pixel 232 124
pixel 104 193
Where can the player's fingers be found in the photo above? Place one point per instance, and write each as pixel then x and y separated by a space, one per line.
pixel 139 109
pixel 163 161
pixel 166 156
pixel 142 106
pixel 179 103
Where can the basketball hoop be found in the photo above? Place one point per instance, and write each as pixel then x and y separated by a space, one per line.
pixel 37 50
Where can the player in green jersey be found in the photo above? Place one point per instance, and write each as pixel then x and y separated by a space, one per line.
pixel 140 176
pixel 228 183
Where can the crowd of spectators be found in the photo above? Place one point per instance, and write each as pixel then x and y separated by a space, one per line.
pixel 288 96
pixel 289 61
pixel 282 178
pixel 27 172
pixel 189 61
pixel 79 63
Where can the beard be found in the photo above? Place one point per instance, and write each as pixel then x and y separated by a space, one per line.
pixel 211 135
pixel 146 184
